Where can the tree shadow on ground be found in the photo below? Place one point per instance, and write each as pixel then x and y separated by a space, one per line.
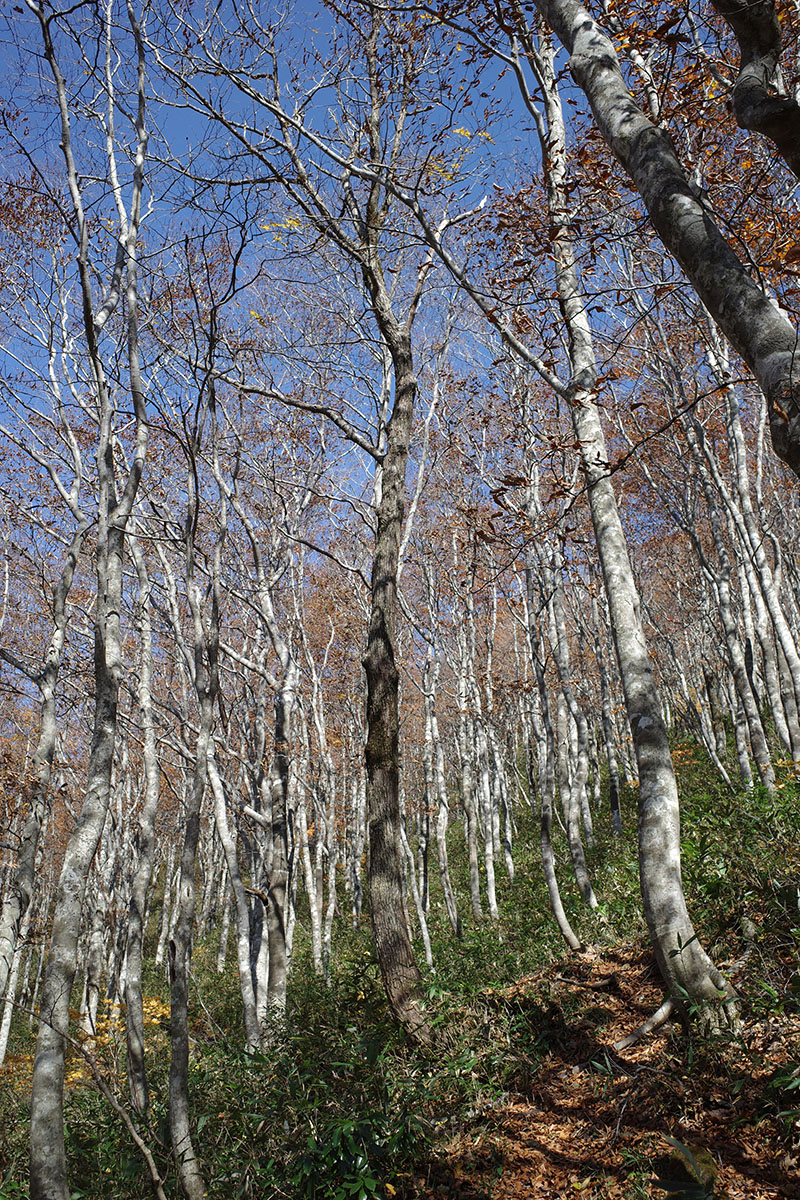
pixel 582 1119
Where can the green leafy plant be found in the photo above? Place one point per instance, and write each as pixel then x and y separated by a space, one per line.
pixel 698 1170
pixel 782 1094
pixel 350 1158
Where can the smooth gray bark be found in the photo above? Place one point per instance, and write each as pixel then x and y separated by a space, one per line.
pixel 754 326
pixel 242 915
pixel 280 878
pixel 224 933
pixel 467 788
pixel 183 1150
pixel 533 599
pixel 685 967
pixel 573 784
pixel 18 898
pixel 166 906
pixel 608 728
pixel 761 103
pixel 11 989
pixel 721 577
pixel 434 754
pixel 204 680
pixel 48 1156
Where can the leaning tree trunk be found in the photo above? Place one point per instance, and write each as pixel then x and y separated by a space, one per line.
pixel 754 326
pixel 761 103
pixel 685 966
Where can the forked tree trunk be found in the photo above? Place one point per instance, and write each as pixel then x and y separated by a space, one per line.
pixel 760 100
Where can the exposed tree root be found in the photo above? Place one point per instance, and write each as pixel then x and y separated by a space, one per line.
pixel 609 983
pixel 658 1018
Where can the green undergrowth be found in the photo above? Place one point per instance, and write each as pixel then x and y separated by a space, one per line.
pixel 341 1105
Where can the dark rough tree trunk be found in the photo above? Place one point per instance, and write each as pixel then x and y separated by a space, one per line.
pixel 398 965
pixel 134 1013
pixel 282 862
pixel 357 221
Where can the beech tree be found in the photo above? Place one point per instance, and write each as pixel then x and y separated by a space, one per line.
pixel 757 329
pixel 686 971
pixel 322 177
pixel 93 378
pixel 506 436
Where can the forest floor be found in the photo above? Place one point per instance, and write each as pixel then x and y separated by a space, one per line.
pixel 522 1093
pixel 676 1114
pixel 714 1119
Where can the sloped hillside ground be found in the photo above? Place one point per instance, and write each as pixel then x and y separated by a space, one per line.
pixel 523 1093
pixel 670 1115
